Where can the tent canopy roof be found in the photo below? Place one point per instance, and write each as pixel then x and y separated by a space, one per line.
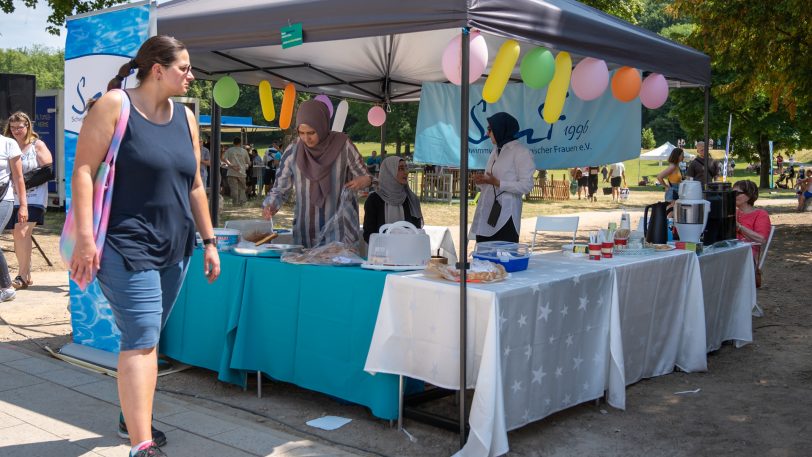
pixel 385 49
pixel 662 152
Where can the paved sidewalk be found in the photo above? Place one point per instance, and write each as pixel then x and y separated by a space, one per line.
pixel 51 408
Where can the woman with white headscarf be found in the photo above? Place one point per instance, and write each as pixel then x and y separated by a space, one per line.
pixel 393 201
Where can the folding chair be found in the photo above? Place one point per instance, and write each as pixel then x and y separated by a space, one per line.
pixel 555 224
pixel 762 255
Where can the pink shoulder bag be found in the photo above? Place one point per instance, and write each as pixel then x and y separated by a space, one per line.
pixel 102 194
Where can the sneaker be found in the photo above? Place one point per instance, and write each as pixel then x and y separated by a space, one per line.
pixel 8 294
pixel 158 437
pixel 150 451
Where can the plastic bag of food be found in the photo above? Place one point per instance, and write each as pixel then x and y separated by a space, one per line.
pixel 335 253
pixel 343 226
pixel 479 271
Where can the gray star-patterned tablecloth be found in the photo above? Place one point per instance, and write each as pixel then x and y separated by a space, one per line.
pixel 729 290
pixel 541 341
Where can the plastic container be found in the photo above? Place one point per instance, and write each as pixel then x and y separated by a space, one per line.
pixel 512 256
pixel 226 238
pixel 251 229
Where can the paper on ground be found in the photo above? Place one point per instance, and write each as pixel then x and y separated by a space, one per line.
pixel 695 391
pixel 329 422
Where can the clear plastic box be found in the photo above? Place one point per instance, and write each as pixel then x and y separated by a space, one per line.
pixel 512 256
pixel 251 229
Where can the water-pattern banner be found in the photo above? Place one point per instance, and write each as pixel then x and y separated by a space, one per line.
pixel 587 133
pixel 96 46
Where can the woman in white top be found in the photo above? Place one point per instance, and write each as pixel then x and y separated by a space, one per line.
pixel 35 154
pixel 11 175
pixel 508 175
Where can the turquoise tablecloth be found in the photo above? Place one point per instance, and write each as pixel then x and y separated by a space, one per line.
pixel 308 325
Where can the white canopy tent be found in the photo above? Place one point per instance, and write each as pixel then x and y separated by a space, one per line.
pixel 662 152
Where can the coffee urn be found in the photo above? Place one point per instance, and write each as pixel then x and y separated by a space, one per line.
pixel 722 216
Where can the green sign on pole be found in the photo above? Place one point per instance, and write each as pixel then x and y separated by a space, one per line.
pixel 292 35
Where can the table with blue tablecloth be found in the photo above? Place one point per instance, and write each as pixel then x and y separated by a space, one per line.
pixel 304 324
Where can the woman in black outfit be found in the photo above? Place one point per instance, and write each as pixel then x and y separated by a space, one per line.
pixel 393 201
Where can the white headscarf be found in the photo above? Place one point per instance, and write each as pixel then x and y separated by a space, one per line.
pixel 394 193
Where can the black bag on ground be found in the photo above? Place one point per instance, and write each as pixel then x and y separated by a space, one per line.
pixel 38 176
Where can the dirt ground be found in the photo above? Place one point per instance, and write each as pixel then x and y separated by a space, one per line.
pixel 754 401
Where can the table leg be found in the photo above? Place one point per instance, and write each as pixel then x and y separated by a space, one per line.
pixel 259 384
pixel 400 402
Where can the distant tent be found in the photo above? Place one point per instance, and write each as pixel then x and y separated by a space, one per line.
pixel 662 152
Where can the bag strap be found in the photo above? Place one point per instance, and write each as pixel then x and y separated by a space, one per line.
pixel 121 127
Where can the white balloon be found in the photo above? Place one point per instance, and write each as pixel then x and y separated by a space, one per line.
pixel 341 116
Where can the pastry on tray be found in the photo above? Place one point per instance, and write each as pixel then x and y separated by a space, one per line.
pixel 480 271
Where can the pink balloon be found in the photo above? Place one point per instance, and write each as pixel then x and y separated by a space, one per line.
pixel 478 58
pixel 654 91
pixel 590 78
pixel 376 116
pixel 326 100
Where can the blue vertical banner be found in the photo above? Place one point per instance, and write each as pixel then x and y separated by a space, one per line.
pixel 45 114
pixel 97 45
pixel 594 132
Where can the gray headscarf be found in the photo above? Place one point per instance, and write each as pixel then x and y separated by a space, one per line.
pixel 394 193
pixel 317 162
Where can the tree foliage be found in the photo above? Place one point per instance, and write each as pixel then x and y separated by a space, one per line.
pixel 45 63
pixel 647 139
pixel 628 10
pixel 767 44
pixel 61 9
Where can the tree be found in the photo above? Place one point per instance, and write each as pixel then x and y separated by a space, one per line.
pixel 61 9
pixel 768 45
pixel 44 63
pixel 628 10
pixel 647 139
pixel 760 59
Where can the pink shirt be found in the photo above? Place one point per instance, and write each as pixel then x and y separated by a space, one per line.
pixel 757 220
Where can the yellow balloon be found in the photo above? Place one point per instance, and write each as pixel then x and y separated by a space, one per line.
pixel 557 90
pixel 500 71
pixel 286 113
pixel 266 101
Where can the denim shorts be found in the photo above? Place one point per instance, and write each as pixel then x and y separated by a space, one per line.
pixel 140 300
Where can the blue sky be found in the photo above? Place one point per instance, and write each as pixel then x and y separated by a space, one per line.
pixel 26 27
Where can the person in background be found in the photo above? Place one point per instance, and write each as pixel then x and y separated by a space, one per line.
pixel 35 154
pixel 752 224
pixel 618 175
pixel 393 201
pixel 592 183
pixel 583 181
pixel 731 164
pixel 269 162
pixel 696 169
pixel 779 162
pixel 205 162
pixel 671 176
pixel 373 163
pixel 157 203
pixel 11 172
pixel 238 161
pixel 804 187
pixel 508 176
pixel 605 173
pixel 258 169
pixel 319 164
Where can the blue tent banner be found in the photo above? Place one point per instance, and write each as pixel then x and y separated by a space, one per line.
pixel 594 132
pixel 96 46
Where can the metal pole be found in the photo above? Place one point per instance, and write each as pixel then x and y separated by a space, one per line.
pixel 708 158
pixel 464 88
pixel 214 202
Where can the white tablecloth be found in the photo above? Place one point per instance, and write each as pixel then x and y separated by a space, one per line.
pixel 545 340
pixel 730 295
pixel 441 241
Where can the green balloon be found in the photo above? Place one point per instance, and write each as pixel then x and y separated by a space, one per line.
pixel 537 68
pixel 226 92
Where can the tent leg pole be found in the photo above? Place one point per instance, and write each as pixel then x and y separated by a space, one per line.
pixel 214 169
pixel 464 91
pixel 708 158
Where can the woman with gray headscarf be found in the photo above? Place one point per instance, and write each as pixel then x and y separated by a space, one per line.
pixel 319 164
pixel 393 201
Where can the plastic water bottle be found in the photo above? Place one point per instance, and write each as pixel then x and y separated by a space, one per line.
pixel 670 229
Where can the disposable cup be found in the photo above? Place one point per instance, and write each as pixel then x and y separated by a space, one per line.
pixel 594 251
pixel 607 249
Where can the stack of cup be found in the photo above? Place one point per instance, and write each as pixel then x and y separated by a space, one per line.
pixel 594 246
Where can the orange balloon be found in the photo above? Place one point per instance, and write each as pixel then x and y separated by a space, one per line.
pixel 286 113
pixel 626 84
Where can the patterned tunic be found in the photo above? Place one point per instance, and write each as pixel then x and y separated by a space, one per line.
pixel 308 220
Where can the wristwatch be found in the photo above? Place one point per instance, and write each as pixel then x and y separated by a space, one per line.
pixel 212 241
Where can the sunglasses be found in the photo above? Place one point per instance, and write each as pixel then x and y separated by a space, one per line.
pixel 739 192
